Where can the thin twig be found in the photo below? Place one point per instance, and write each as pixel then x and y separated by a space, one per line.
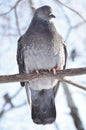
pixel 74 111
pixel 74 84
pixel 78 25
pixel 11 108
pixel 3 110
pixel 66 17
pixel 71 28
pixel 18 91
pixel 17 22
pixel 31 5
pixel 72 10
pixel 11 8
pixel 56 87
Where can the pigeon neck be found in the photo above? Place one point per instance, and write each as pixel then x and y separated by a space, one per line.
pixel 40 24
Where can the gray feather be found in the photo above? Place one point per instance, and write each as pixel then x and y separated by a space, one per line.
pixel 41 47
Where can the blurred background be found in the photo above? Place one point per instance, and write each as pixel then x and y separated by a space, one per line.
pixel 15 17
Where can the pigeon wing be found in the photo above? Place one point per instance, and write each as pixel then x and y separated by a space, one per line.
pixel 65 53
pixel 20 59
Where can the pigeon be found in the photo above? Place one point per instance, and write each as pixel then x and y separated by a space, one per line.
pixel 41 47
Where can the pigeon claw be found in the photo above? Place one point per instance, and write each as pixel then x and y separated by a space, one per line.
pixel 37 71
pixel 55 69
pixel 49 70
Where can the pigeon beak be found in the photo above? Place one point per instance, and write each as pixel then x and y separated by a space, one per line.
pixel 52 16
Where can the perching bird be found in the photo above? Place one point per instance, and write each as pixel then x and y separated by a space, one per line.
pixel 41 48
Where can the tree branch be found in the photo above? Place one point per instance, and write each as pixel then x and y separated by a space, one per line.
pixel 25 77
pixel 31 5
pixel 8 100
pixel 17 22
pixel 11 8
pixel 11 108
pixel 72 10
pixel 74 84
pixel 74 111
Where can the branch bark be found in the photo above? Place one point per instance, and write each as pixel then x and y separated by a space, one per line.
pixel 17 22
pixel 72 10
pixel 74 111
pixel 31 5
pixel 25 77
pixel 74 84
pixel 11 8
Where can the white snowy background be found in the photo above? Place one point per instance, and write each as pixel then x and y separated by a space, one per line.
pixel 66 21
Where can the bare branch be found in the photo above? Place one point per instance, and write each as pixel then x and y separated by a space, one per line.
pixel 56 87
pixel 8 100
pixel 66 17
pixel 74 111
pixel 11 8
pixel 11 108
pixel 7 12
pixel 71 28
pixel 25 77
pixel 74 84
pixel 17 22
pixel 18 91
pixel 78 25
pixel 72 10
pixel 31 5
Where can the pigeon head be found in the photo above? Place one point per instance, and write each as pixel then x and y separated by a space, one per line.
pixel 44 13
